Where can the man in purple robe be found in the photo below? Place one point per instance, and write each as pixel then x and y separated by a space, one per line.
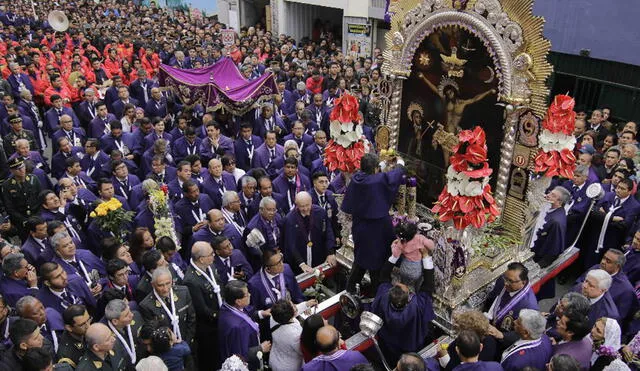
pixel 632 265
pixel 406 317
pixel 245 146
pixel 229 262
pixel 238 333
pixel 314 151
pixel 58 159
pixel 100 125
pixel 468 346
pixel 511 294
pixel 308 236
pixel 297 134
pixel 622 291
pixel 372 229
pixel 124 142
pixel 187 145
pixel 263 232
pixel 267 122
pixel 78 262
pixel 533 348
pixel 609 224
pixel 549 240
pixel 274 281
pixel 265 189
pixel 215 145
pixel 216 227
pixel 191 210
pixel 59 293
pixel 290 182
pixel 596 288
pixel 19 278
pixel 266 156
pixel 76 136
pixel 331 356
pixel 217 182
pixel 94 159
pixel 183 174
pixel 573 328
pixel 36 247
pixel 579 204
pixel 123 182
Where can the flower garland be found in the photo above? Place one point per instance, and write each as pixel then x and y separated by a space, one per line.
pixel 467 199
pixel 111 217
pixel 556 141
pixel 163 222
pixel 347 144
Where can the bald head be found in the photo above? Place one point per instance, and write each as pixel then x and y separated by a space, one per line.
pixel 327 339
pixel 201 249
pixel 98 336
pixel 216 220
pixel 303 203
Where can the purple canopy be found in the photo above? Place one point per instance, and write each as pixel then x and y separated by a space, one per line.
pixel 220 85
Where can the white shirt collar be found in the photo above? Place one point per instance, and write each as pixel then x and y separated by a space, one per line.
pixel 595 300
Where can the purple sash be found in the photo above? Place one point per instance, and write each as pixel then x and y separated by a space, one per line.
pixel 243 316
pixel 266 282
pixel 498 313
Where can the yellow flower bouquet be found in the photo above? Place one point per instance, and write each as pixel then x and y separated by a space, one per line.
pixel 111 217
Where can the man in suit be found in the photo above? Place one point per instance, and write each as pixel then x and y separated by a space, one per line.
pixel 183 173
pixel 187 145
pixel 101 124
pixel 299 136
pixel 205 290
pixel 170 305
pixel 124 142
pixel 331 357
pixel 609 223
pixel 72 344
pixel 308 236
pixel 31 109
pixel 74 172
pixel 99 352
pixel 263 231
pixel 125 326
pixel 123 182
pixel 323 197
pixel 265 189
pixel 15 133
pixel 596 122
pixel 78 262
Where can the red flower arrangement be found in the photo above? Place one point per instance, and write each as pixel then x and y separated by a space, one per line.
pixel 466 199
pixel 555 156
pixel 347 144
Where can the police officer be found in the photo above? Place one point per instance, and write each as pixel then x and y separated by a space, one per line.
pixel 20 195
pixel 17 132
pixel 71 345
pixel 204 287
pixel 99 354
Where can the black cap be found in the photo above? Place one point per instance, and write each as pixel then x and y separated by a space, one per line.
pixel 16 163
pixel 13 117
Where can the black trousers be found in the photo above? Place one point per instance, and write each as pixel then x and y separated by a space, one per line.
pixel 357 273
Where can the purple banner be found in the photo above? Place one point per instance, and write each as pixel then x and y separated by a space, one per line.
pixel 218 86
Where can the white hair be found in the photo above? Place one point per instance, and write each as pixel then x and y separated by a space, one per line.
pixel 533 321
pixel 151 363
pixel 266 201
pixel 603 278
pixel 228 197
pixel 159 272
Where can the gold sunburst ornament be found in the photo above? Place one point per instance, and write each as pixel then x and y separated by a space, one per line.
pixel 424 60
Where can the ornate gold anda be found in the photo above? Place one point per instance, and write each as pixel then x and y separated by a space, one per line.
pixel 523 47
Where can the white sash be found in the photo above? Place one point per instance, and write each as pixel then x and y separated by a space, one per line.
pixel 198 217
pixel 212 280
pixel 229 218
pixel 603 230
pixel 175 320
pixel 130 347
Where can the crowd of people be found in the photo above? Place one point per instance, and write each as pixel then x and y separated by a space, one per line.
pixel 84 121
